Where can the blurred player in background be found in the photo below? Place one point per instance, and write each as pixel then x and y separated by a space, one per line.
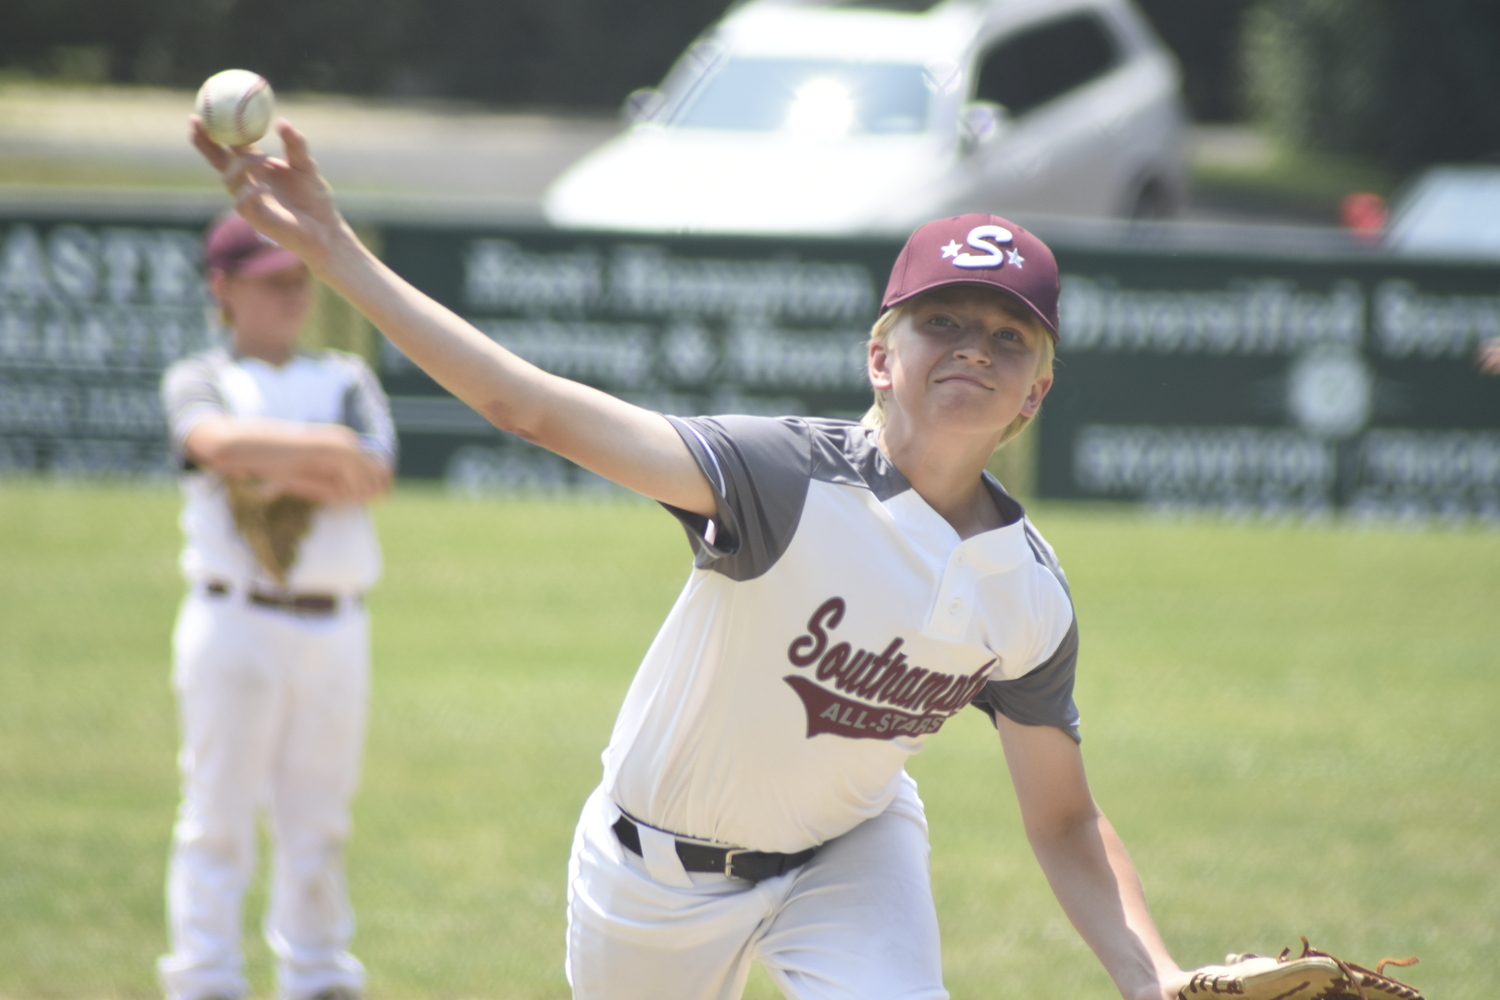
pixel 855 585
pixel 281 451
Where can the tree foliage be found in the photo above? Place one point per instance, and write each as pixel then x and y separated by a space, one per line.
pixel 1205 37
pixel 587 53
pixel 1403 83
pixel 581 53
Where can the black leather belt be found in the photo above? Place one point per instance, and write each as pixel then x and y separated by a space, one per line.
pixel 736 862
pixel 314 605
pixel 318 605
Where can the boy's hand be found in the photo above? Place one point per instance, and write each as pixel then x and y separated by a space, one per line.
pixel 286 199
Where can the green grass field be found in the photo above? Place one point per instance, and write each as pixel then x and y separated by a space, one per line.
pixel 1294 729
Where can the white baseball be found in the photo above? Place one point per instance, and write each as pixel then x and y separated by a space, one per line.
pixel 236 106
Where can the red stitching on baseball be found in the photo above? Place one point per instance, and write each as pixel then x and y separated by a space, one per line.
pixel 244 104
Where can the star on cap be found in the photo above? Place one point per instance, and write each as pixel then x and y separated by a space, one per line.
pixel 1015 257
pixel 952 249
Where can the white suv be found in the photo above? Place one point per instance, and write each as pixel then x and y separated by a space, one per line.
pixel 842 117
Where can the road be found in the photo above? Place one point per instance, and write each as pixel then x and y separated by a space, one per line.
pixel 54 138
pixel 122 153
pixel 127 146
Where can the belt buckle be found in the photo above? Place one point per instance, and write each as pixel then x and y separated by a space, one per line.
pixel 729 861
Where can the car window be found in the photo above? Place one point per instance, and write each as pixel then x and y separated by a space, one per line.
pixel 807 95
pixel 1032 67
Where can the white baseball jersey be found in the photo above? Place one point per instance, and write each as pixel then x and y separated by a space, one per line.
pixel 832 623
pixel 340 553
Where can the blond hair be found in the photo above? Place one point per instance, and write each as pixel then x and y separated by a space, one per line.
pixel 880 333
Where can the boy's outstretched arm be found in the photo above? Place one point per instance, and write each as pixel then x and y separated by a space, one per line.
pixel 1084 861
pixel 288 201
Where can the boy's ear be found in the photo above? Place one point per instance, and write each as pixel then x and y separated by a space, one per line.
pixel 1034 398
pixel 878 365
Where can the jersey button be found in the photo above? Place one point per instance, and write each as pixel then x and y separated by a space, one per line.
pixel 956 606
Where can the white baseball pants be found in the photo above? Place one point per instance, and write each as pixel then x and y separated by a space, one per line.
pixel 857 921
pixel 273 710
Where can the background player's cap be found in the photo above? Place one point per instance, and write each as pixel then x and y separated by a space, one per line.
pixel 982 250
pixel 234 247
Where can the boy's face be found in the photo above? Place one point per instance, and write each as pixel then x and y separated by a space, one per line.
pixel 962 358
pixel 266 310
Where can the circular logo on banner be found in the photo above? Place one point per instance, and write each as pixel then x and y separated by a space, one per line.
pixel 1331 392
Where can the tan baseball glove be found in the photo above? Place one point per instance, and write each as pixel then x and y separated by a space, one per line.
pixel 1312 975
pixel 273 528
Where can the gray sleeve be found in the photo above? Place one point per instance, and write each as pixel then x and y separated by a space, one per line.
pixel 1042 697
pixel 189 393
pixel 759 469
pixel 367 411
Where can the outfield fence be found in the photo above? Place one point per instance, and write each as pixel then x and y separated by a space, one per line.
pixel 1290 379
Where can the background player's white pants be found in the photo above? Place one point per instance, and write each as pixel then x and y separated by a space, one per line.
pixel 273 714
pixel 855 922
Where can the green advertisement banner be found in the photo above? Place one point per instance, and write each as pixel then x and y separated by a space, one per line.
pixel 1273 386
pixel 91 313
pixel 682 326
pixel 1261 384
pixel 1242 384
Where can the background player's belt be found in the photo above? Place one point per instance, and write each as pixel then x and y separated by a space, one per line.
pixel 297 604
pixel 315 605
pixel 736 862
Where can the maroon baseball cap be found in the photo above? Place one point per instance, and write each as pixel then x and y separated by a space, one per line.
pixel 977 249
pixel 234 247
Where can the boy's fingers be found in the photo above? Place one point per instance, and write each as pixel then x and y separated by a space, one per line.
pixel 232 162
pixel 244 193
pixel 295 145
pixel 217 156
pixel 238 180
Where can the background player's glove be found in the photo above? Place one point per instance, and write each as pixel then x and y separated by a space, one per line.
pixel 1313 975
pixel 273 528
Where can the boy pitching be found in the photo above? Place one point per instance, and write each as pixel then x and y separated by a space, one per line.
pixel 854 586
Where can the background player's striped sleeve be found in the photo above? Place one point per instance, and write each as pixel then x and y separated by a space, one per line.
pixel 189 394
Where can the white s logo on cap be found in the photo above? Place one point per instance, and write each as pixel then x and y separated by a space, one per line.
pixel 979 238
